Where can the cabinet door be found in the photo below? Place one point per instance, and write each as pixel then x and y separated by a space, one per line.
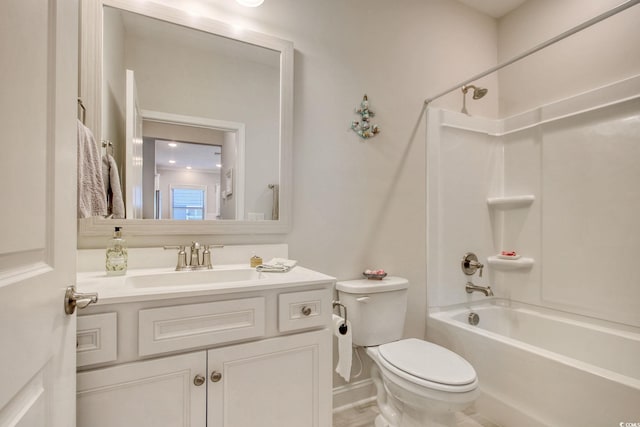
pixel 153 393
pixel 278 382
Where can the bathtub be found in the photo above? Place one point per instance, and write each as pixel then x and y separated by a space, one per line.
pixel 540 367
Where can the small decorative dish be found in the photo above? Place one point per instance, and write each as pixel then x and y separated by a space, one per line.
pixel 374 274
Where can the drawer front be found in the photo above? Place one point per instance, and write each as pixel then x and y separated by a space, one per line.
pixel 181 327
pixel 96 339
pixel 304 310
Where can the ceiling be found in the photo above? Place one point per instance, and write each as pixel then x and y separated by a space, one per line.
pixel 495 8
pixel 200 157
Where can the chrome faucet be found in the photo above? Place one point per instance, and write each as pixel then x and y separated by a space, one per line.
pixel 195 261
pixel 470 288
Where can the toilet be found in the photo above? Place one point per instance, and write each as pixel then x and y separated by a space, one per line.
pixel 418 383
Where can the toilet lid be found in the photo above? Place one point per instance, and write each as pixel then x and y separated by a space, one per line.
pixel 428 361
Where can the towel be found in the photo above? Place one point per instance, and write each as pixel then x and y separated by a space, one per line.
pixel 112 188
pixel 283 261
pixel 92 200
pixel 277 265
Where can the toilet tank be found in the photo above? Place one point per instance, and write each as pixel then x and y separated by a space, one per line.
pixel 376 309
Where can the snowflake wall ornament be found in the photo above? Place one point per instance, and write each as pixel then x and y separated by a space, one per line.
pixel 363 128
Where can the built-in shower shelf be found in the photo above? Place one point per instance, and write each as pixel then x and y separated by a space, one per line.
pixel 511 202
pixel 510 264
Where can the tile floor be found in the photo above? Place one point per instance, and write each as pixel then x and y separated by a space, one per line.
pixel 363 415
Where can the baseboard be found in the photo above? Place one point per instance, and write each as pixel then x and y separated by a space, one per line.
pixel 357 393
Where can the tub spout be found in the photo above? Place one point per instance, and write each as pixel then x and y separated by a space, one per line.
pixel 470 288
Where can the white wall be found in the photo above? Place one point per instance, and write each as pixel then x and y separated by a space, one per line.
pixel 601 54
pixel 113 88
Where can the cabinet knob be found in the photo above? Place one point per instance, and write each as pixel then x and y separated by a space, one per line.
pixel 198 380
pixel 306 310
pixel 216 376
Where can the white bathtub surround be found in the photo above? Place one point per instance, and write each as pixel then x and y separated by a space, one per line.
pixel 530 358
pixel 558 185
pixel 540 183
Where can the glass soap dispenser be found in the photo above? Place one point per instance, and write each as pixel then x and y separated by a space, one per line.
pixel 116 262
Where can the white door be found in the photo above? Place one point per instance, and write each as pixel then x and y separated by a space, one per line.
pixel 133 157
pixel 38 81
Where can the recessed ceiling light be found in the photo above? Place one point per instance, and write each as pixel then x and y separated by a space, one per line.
pixel 250 3
pixel 218 165
pixel 173 144
pixel 172 161
pixel 188 167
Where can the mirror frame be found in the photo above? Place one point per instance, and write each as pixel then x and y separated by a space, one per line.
pixel 91 94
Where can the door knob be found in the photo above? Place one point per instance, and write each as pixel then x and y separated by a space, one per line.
pixel 198 380
pixel 73 299
pixel 216 376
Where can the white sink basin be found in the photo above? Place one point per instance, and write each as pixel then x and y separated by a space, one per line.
pixel 190 278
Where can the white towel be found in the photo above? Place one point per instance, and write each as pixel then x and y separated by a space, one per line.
pixel 283 261
pixel 92 200
pixel 112 188
pixel 277 265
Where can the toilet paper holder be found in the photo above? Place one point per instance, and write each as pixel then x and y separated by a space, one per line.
pixel 343 328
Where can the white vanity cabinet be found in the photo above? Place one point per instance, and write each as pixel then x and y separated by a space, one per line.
pixel 153 393
pixel 274 382
pixel 253 359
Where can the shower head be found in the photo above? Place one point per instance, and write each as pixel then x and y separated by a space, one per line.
pixel 478 92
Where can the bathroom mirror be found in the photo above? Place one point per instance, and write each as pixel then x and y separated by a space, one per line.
pixel 199 86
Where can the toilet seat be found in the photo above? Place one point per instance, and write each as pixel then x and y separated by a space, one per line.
pixel 429 365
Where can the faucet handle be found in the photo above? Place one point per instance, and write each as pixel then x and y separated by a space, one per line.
pixel 182 256
pixel 206 257
pixel 470 264
pixel 480 266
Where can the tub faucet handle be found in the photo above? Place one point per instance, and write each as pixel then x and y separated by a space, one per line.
pixel 470 264
pixel 480 266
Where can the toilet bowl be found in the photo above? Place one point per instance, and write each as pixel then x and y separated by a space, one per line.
pixel 418 383
pixel 427 383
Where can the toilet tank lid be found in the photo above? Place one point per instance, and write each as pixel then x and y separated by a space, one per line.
pixel 366 286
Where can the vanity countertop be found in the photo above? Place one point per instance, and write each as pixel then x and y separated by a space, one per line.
pixel 146 284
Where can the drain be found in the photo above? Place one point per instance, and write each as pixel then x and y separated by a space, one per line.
pixel 473 318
